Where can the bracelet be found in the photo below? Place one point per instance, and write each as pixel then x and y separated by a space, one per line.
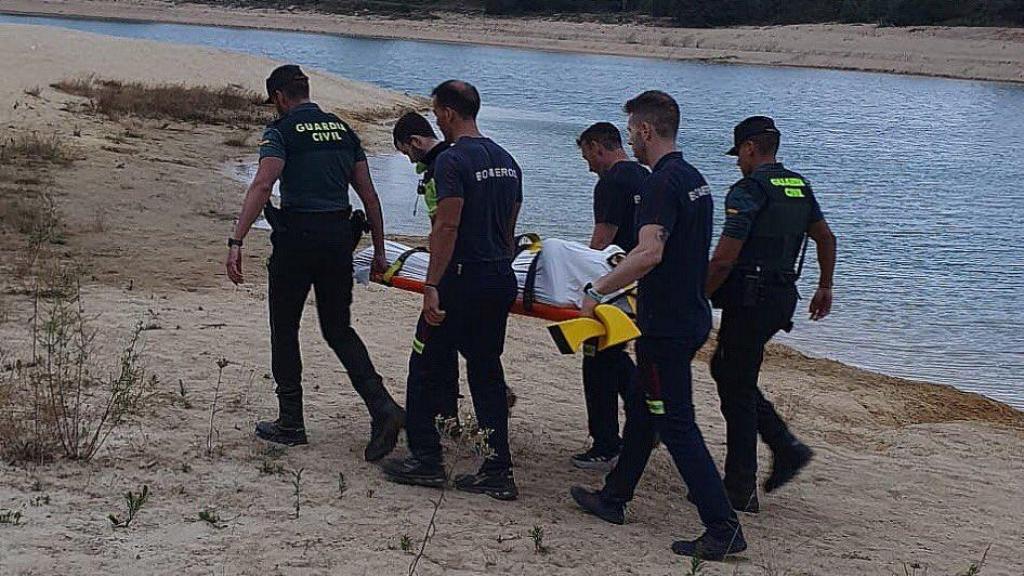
pixel 594 294
pixel 434 286
pixel 232 243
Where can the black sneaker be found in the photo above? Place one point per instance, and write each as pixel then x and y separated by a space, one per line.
pixel 500 485
pixel 711 549
pixel 384 431
pixel 594 460
pixel 278 434
pixel 414 472
pixel 786 464
pixel 591 501
pixel 750 504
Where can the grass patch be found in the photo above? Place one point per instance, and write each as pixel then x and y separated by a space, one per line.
pixel 34 147
pixel 35 216
pixel 116 99
pixel 241 141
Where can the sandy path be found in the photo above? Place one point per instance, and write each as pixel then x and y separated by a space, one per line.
pixel 972 53
pixel 908 474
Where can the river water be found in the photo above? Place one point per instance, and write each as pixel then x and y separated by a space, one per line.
pixel 922 179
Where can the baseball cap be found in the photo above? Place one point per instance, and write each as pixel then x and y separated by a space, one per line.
pixel 753 126
pixel 281 77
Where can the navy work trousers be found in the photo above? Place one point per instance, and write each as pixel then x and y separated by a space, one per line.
pixel 607 375
pixel 476 299
pixel 662 405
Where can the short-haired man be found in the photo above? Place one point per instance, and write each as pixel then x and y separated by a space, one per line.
pixel 316 156
pixel 607 374
pixel 415 138
pixel 769 214
pixel 670 262
pixel 469 292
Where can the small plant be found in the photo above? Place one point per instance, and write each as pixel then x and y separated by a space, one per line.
pixel 537 535
pixel 183 394
pixel 12 517
pixel 268 468
pixel 405 543
pixel 43 500
pixel 297 489
pixel 221 365
pixel 211 517
pixel 975 568
pixel 134 502
pixel 342 485
pixel 696 566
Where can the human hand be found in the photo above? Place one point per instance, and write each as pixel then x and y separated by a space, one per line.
pixel 233 264
pixel 821 304
pixel 432 312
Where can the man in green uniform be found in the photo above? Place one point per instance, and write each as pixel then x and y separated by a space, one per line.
pixel 316 156
pixel 752 278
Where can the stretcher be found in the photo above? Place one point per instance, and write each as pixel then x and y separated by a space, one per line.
pixel 551 274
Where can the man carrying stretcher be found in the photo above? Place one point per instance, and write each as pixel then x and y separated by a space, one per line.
pixel 469 291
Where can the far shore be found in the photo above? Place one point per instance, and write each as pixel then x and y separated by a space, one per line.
pixel 991 54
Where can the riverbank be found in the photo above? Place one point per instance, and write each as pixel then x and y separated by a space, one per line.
pixel 909 476
pixel 995 54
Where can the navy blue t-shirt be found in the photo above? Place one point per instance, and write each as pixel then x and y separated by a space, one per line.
pixel 490 184
pixel 615 200
pixel 671 302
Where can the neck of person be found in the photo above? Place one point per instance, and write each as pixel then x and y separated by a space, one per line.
pixel 658 149
pixel 614 158
pixel 293 104
pixel 763 161
pixel 465 129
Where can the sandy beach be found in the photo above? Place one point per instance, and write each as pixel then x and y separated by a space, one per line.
pixel 910 477
pixel 955 52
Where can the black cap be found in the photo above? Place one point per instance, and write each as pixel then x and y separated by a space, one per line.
pixel 281 77
pixel 753 126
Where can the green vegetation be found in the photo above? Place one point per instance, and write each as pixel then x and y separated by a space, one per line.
pixel 693 13
pixel 134 503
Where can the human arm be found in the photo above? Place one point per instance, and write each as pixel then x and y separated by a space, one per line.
pixel 825 245
pixel 256 198
pixel 362 183
pixel 742 204
pixel 641 260
pixel 443 235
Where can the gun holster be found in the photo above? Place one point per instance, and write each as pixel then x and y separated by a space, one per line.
pixel 360 226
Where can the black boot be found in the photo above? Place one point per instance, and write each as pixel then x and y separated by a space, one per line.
pixel 415 472
pixel 711 548
pixel 592 502
pixel 787 462
pixel 289 428
pixel 387 416
pixel 499 484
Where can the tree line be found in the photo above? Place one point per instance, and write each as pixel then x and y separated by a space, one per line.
pixel 703 13
pixel 700 13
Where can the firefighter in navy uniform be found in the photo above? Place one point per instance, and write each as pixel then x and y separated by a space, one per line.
pixel 415 138
pixel 770 213
pixel 316 156
pixel 469 292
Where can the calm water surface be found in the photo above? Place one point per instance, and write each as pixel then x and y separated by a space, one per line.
pixel 922 179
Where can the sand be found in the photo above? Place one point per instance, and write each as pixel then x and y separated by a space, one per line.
pixel 955 52
pixel 910 478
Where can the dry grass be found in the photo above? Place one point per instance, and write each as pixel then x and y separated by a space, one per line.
pixel 34 215
pixel 240 141
pixel 34 147
pixel 115 99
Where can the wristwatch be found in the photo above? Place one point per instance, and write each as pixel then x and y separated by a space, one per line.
pixel 594 294
pixel 232 243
